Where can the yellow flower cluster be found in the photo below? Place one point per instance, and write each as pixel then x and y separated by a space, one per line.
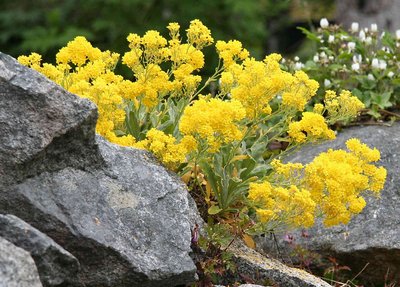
pixel 88 72
pixel 258 83
pixel 213 121
pixel 163 99
pixel 332 184
pixel 164 147
pixel 337 178
pixel 312 126
pixel 231 52
pixel 289 170
pixel 301 90
pixel 344 107
pixel 291 205
pixel 151 50
pixel 199 35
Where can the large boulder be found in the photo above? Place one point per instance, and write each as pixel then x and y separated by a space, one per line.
pixel 122 215
pixel 17 268
pixel 42 127
pixel 371 237
pixel 56 267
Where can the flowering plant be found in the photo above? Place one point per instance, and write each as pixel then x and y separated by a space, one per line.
pixel 364 61
pixel 226 145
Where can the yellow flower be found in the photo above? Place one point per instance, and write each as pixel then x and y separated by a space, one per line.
pixel 164 147
pixel 199 35
pixel 230 52
pixel 343 107
pixel 300 91
pixel 257 84
pixel 287 170
pixel 312 126
pixel 214 121
pixel 337 178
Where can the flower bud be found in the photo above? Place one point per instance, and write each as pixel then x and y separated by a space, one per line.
pixel 375 63
pixel 354 27
pixel 316 58
pixel 324 23
pixel 398 34
pixel 355 67
pixel 296 59
pixel 371 77
pixel 351 45
pixel 327 83
pixel 368 40
pixel 390 74
pixel 298 65
pixel 331 38
pixel 374 27
pixel 362 35
pixel 382 64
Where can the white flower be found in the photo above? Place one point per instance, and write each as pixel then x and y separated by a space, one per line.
pixel 283 61
pixel 357 58
pixel 374 27
pixel 390 74
pixel 322 55
pixel 371 77
pixel 355 67
pixel 362 35
pixel 316 58
pixel 351 45
pixel 331 38
pixel 324 23
pixel 331 58
pixel 298 65
pixel 296 59
pixel 382 65
pixel 375 63
pixel 368 40
pixel 398 34
pixel 327 83
pixel 354 27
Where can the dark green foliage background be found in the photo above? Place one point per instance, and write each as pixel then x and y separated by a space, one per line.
pixel 45 26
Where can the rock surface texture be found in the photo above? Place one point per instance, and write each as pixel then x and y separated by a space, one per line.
pixel 56 266
pixel 17 268
pixel 122 215
pixel 260 268
pixel 373 236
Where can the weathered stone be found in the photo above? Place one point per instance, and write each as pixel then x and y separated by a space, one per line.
pixel 42 127
pixel 17 268
pixel 122 215
pixel 372 237
pixel 384 13
pixel 260 268
pixel 56 266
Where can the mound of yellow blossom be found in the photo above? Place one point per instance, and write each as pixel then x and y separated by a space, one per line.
pixel 161 109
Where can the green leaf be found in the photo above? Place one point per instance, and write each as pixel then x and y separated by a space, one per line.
pixel 214 209
pixel 310 35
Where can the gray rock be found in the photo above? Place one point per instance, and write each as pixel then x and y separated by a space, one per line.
pixel 17 268
pixel 122 215
pixel 263 269
pixel 42 127
pixel 371 237
pixel 56 266
pixel 382 12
